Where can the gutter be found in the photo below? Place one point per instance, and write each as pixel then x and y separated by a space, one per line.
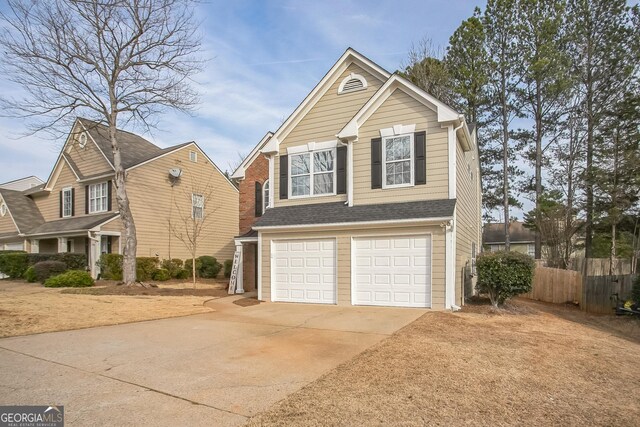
pixel 352 224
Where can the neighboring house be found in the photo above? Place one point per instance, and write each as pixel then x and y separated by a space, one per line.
pixel 372 196
pixel 521 239
pixel 76 210
pixel 22 184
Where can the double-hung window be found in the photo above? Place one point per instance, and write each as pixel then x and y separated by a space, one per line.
pixel 98 197
pixel 312 173
pixel 397 154
pixel 197 206
pixel 265 195
pixel 67 202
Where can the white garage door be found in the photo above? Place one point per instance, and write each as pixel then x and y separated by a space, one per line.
pixel 304 271
pixel 393 271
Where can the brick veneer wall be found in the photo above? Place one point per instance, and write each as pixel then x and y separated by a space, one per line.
pixel 257 171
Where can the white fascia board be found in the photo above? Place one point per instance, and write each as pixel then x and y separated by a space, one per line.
pixel 356 224
pixel 349 56
pixel 240 170
pixel 271 147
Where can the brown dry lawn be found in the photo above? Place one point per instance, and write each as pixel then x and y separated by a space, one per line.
pixel 535 364
pixel 28 308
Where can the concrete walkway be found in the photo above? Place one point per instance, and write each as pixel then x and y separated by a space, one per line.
pixel 218 368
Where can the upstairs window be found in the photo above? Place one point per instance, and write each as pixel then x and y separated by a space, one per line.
pixel 312 173
pixel 193 156
pixel 197 206
pixel 3 209
pixel 265 195
pixel 397 155
pixel 67 202
pixel 98 197
pixel 352 83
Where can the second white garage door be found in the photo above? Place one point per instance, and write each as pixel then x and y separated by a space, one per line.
pixel 392 271
pixel 304 271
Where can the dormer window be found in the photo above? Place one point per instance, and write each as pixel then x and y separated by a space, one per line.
pixel 352 83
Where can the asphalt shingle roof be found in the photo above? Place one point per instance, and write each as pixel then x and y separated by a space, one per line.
pixel 518 233
pixel 72 224
pixel 23 209
pixel 338 212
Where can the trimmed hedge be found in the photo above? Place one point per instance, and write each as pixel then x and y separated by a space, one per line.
pixel 183 274
pixel 210 267
pixel 188 265
pixel 145 267
pixel 14 264
pixel 45 269
pixel 110 266
pixel 70 279
pixel 161 275
pixel 173 266
pixel 228 265
pixel 503 275
pixel 73 261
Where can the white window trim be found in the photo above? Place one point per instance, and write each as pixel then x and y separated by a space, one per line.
pixel 105 194
pixel 193 156
pixel 350 77
pixel 311 173
pixel 193 205
pixel 266 202
pixel 64 191
pixel 412 165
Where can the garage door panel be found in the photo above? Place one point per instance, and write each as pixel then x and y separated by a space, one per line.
pixel 305 271
pixel 393 271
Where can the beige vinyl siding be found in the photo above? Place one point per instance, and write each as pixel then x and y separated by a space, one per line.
pixel 6 223
pixel 154 202
pixel 89 160
pixel 343 238
pixel 401 108
pixel 330 114
pixel 113 225
pixel 467 214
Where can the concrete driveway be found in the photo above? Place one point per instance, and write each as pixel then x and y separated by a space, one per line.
pixel 218 368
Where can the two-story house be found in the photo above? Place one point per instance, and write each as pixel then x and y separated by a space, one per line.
pixel 75 209
pixel 368 194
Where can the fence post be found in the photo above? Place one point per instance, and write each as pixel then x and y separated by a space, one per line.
pixel 583 303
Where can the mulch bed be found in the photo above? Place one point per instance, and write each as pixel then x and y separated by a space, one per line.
pixel 139 290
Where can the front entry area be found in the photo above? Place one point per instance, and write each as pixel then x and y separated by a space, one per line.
pixel 304 271
pixel 392 271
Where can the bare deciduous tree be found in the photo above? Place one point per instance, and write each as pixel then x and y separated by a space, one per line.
pixel 114 61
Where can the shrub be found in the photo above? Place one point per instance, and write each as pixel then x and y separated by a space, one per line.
pixel 145 267
pixel 188 264
pixel 72 279
pixel 161 275
pixel 228 265
pixel 72 260
pixel 210 267
pixel 503 275
pixel 110 266
pixel 45 269
pixel 173 266
pixel 183 274
pixel 30 275
pixel 14 264
pixel 635 290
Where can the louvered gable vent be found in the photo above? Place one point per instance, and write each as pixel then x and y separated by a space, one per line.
pixel 352 83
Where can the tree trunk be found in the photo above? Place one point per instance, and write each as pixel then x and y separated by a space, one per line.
pixel 588 241
pixel 505 167
pixel 130 240
pixel 538 237
pixel 612 256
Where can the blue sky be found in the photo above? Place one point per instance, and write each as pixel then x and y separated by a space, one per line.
pixel 265 58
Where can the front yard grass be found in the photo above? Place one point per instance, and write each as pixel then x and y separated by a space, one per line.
pixel 535 364
pixel 28 308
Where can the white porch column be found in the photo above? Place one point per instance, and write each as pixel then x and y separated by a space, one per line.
pixel 35 246
pixel 94 256
pixel 239 276
pixel 62 245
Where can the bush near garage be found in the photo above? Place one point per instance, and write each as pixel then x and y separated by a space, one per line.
pixel 14 263
pixel 146 267
pixel 161 275
pixel 45 269
pixel 73 261
pixel 228 265
pixel 110 266
pixel 173 266
pixel 188 266
pixel 183 274
pixel 70 279
pixel 503 275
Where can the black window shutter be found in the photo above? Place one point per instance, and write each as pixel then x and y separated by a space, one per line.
pixel 341 170
pixel 284 177
pixel 109 190
pixel 108 244
pixel 86 199
pixel 258 199
pixel 73 202
pixel 61 196
pixel 376 163
pixel 420 151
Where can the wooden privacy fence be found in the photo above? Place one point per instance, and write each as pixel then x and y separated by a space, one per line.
pixel 598 290
pixel 600 266
pixel 556 285
pixel 592 293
